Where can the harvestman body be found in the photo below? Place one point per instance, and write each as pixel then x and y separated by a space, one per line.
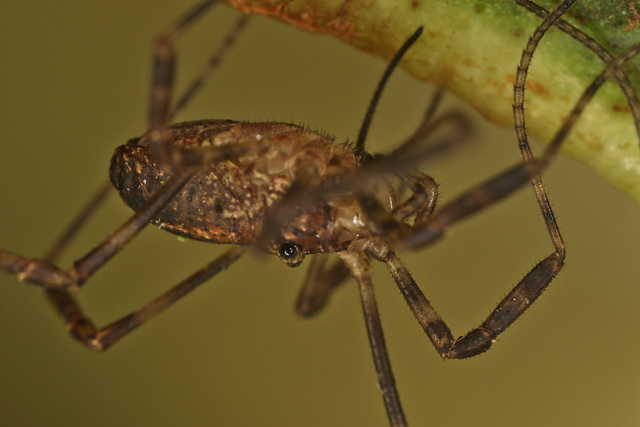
pixel 294 192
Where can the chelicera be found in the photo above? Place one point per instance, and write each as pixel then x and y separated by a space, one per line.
pixel 292 193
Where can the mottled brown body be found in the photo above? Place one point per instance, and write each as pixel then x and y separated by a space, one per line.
pixel 226 202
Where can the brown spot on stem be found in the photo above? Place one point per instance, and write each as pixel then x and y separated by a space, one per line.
pixel 620 108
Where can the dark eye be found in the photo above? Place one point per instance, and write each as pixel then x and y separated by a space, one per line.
pixel 289 251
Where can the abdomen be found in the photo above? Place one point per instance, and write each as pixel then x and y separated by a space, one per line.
pixel 225 202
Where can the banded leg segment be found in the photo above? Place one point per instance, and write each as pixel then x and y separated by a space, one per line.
pixel 161 111
pixel 592 44
pixel 160 100
pixel 477 340
pixel 82 328
pixel 519 119
pixel 44 274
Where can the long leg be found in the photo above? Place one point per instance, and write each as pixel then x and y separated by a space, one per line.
pixel 82 328
pixel 211 65
pixel 49 276
pixel 76 224
pixel 479 339
pixel 598 49
pixel 519 118
pixel 361 271
pixel 163 81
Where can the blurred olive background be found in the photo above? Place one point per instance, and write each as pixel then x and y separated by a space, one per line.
pixel 74 78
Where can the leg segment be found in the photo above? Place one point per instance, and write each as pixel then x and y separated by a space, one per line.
pixel 44 274
pixel 163 79
pixel 82 328
pixel 160 110
pixel 590 43
pixel 361 271
pixel 74 226
pixel 211 65
pixel 477 340
pixel 319 284
pixel 519 118
pixel 49 276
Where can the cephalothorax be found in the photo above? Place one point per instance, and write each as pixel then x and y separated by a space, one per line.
pixel 294 192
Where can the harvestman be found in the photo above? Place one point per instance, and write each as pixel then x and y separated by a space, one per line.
pixel 294 192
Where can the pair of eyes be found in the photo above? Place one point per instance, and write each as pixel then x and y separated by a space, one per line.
pixel 289 251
